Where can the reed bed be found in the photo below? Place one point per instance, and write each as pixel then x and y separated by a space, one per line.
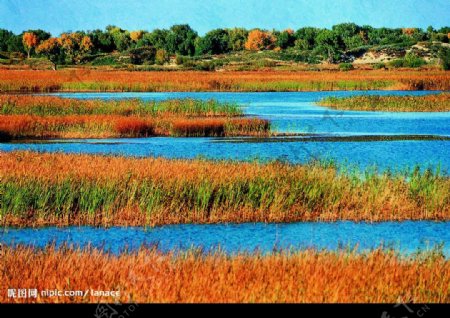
pixel 148 275
pixel 428 103
pixel 113 126
pixel 253 81
pixel 62 189
pixel 57 106
pixel 54 117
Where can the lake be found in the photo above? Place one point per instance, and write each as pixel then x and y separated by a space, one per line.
pixel 353 138
pixel 349 137
pixel 405 237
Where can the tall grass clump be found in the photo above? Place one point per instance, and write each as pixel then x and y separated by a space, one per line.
pixel 428 103
pixel 57 106
pixel 43 189
pixel 55 117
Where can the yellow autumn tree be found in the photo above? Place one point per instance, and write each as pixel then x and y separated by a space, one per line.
pixel 259 40
pixel 409 31
pixel 51 48
pixel 74 45
pixel 86 44
pixel 136 35
pixel 30 40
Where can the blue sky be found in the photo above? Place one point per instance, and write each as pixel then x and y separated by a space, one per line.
pixel 58 16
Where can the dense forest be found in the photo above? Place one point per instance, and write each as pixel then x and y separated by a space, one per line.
pixel 340 44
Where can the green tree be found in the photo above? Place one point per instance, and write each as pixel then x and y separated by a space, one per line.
pixel 285 39
pixel 157 38
pixel 237 39
pixel 15 44
pixel 383 36
pixel 328 45
pixel 346 30
pixel 181 40
pixel 353 42
pixel 305 38
pixel 214 42
pixel 102 41
pixel 5 37
pixel 121 38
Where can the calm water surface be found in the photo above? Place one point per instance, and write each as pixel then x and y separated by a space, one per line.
pixel 289 112
pixel 405 237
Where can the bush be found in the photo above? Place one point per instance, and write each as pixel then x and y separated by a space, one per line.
pixel 179 59
pixel 444 55
pixel 161 57
pixel 397 63
pixel 265 63
pixel 105 60
pixel 145 54
pixel 378 66
pixel 410 60
pixel 206 66
pixel 346 67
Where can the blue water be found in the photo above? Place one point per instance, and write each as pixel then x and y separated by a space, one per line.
pixel 289 112
pixel 405 237
pixel 396 155
pixel 297 111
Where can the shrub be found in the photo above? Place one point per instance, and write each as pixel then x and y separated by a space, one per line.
pixel 378 66
pixel 265 63
pixel 346 67
pixel 161 57
pixel 179 59
pixel 104 60
pixel 410 60
pixel 206 66
pixel 444 55
pixel 397 63
pixel 142 55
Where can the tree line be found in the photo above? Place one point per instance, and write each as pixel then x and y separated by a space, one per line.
pixel 182 40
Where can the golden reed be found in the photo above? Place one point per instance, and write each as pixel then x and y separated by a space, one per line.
pixel 150 276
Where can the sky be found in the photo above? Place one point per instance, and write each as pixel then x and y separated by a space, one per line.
pixel 59 16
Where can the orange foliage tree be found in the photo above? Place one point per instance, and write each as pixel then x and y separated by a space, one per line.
pixel 51 48
pixel 409 31
pixel 259 40
pixel 30 40
pixel 86 44
pixel 74 45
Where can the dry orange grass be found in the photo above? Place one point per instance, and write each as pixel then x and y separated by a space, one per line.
pixel 100 80
pixel 150 276
pixel 23 116
pixel 427 103
pixel 105 190
pixel 114 126
pixel 43 105
pixel 75 126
